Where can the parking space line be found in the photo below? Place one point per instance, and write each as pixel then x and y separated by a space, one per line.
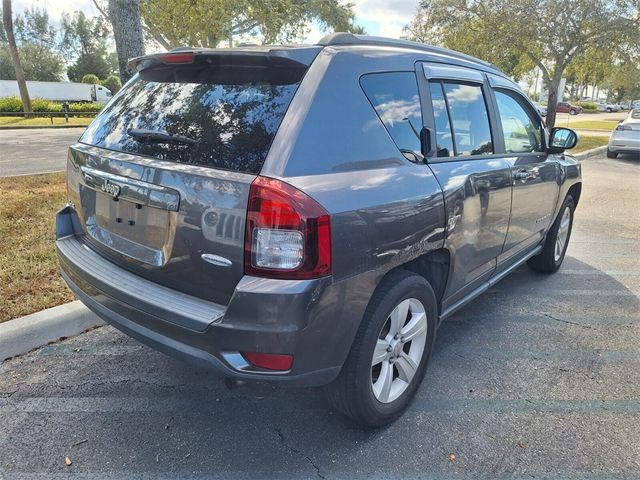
pixel 124 405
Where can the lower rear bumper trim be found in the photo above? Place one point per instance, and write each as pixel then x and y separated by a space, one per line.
pixel 190 354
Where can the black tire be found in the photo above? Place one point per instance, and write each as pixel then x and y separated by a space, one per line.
pixel 611 154
pixel 573 112
pixel 352 392
pixel 609 110
pixel 546 260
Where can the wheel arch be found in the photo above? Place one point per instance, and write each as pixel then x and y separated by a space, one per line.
pixel 575 190
pixel 434 267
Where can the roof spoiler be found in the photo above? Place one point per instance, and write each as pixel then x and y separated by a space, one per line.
pixel 291 57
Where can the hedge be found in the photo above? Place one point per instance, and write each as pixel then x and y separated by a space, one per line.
pixel 86 107
pixel 588 106
pixel 14 104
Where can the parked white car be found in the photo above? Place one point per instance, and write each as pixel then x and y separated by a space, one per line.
pixel 608 107
pixel 626 137
pixel 542 110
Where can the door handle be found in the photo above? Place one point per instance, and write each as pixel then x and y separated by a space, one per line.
pixel 524 175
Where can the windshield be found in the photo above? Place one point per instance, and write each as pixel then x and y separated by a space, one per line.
pixel 232 124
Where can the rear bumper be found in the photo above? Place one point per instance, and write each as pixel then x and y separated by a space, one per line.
pixel 300 318
pixel 625 143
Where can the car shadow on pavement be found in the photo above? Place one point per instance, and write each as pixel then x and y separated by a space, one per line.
pixel 629 158
pixel 512 366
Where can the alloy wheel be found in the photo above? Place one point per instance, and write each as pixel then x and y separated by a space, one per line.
pixel 399 350
pixel 563 234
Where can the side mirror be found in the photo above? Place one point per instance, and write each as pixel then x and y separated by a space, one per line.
pixel 562 139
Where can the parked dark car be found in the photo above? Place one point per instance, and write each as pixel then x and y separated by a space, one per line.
pixel 309 215
pixel 566 107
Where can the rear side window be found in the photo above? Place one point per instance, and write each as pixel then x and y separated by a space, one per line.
pixel 395 98
pixel 467 122
pixel 228 123
pixel 444 139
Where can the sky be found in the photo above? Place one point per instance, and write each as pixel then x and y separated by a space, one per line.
pixel 378 17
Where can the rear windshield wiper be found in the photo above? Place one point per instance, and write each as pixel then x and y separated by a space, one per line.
pixel 144 135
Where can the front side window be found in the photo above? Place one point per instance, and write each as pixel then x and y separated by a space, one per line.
pixel 521 130
pixel 394 96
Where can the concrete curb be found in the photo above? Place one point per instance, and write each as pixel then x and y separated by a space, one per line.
pixel 590 153
pixel 23 334
pixel 31 127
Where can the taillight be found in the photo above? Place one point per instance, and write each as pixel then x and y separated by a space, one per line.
pixel 624 127
pixel 269 361
pixel 288 234
pixel 178 58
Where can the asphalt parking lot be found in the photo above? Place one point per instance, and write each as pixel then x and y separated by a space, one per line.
pixel 537 379
pixel 29 151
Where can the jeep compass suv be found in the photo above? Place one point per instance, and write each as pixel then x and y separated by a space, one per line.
pixel 310 214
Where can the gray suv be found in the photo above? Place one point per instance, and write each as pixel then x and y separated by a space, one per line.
pixel 309 215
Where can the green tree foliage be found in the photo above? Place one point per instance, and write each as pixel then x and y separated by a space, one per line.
pixel 112 82
pixel 623 81
pixel 590 68
pixel 33 26
pixel 86 39
pixel 36 38
pixel 88 64
pixel 518 34
pixel 90 78
pixel 207 23
pixel 38 62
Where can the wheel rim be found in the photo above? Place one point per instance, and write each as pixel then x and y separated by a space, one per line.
pixel 563 234
pixel 399 350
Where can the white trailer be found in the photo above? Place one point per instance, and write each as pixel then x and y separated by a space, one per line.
pixel 58 91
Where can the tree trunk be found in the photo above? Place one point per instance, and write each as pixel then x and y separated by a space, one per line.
pixel 127 31
pixel 7 20
pixel 552 100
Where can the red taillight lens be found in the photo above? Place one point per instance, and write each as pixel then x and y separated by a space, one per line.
pixel 269 361
pixel 288 234
pixel 178 58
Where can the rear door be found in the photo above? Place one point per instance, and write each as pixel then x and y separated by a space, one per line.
pixel 534 172
pixel 476 180
pixel 161 178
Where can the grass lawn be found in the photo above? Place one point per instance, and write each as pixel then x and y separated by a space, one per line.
pixel 45 121
pixel 29 277
pixel 587 143
pixel 607 125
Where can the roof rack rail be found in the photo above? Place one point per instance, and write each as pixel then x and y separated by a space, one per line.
pixel 341 38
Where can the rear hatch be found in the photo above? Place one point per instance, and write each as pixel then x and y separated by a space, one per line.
pixel 161 177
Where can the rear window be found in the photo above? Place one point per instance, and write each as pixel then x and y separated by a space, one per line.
pixel 228 124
